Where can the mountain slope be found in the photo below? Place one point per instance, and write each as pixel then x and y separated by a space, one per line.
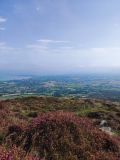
pixel 60 128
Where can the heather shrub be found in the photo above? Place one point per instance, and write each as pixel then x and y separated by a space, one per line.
pixel 15 154
pixel 104 156
pixel 1 105
pixel 1 137
pixel 32 114
pixel 64 136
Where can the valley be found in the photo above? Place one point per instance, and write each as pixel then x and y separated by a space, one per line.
pixel 84 86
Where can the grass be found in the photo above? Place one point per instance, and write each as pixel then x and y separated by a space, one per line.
pixel 85 111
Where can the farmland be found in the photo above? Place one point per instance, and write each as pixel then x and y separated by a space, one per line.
pixel 95 86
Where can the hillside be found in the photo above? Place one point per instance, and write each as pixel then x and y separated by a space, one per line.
pixel 59 128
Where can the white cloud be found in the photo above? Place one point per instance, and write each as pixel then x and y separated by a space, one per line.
pixel 4 48
pixel 2 44
pixel 78 57
pixel 2 19
pixel 105 56
pixel 112 50
pixel 36 46
pixel 2 28
pixel 49 46
pixel 57 57
pixel 116 25
pixel 38 9
pixel 51 41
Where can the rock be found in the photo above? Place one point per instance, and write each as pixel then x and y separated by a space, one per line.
pixel 107 130
pixel 103 123
pixel 105 127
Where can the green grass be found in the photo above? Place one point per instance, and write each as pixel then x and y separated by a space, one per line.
pixel 85 111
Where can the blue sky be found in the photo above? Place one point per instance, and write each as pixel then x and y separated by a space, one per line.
pixel 59 36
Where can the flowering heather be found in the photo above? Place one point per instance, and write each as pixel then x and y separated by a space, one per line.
pixel 15 154
pixel 64 136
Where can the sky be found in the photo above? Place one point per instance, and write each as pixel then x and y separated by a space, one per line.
pixel 59 36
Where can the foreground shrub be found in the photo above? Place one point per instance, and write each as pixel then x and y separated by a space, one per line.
pixel 64 136
pixel 14 154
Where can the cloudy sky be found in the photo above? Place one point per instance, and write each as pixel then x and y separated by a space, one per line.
pixel 59 36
